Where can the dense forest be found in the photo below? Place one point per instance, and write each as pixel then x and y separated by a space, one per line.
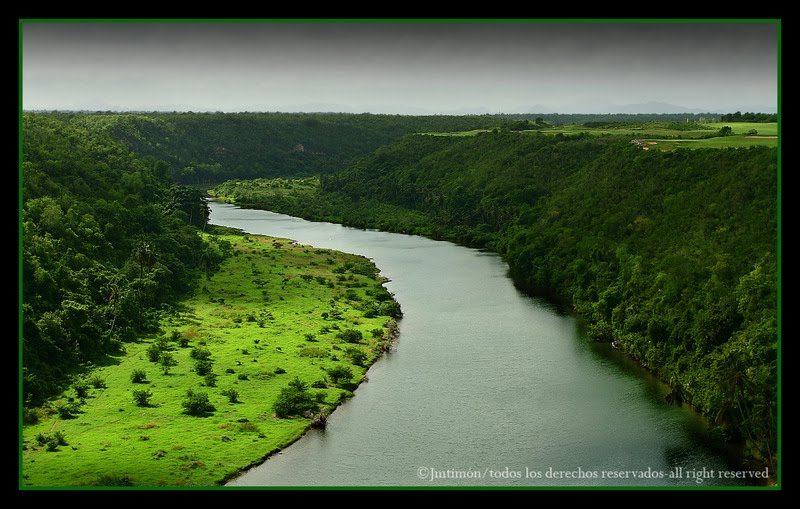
pixel 749 117
pixel 107 240
pixel 212 147
pixel 202 148
pixel 669 255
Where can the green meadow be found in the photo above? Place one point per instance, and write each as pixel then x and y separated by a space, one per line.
pixel 275 312
pixel 666 136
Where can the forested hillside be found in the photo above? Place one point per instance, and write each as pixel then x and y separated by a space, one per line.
pixel 107 241
pixel 212 147
pixel 670 255
pixel 201 148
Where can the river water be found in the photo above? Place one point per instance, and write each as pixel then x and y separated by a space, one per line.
pixel 485 387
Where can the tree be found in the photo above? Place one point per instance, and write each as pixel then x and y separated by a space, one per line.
pixel 356 355
pixel 167 362
pixel 197 404
pixel 725 131
pixel 339 373
pixel 189 201
pixel 145 256
pixel 210 259
pixel 142 397
pixel 294 400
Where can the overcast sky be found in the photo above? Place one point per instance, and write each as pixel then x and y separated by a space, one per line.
pixel 408 68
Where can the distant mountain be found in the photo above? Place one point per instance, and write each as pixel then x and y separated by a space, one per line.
pixel 753 109
pixel 657 107
pixel 589 106
pixel 536 108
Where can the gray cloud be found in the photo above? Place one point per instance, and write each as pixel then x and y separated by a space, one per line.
pixel 397 67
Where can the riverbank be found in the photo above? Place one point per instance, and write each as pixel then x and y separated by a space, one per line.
pixel 275 311
pixel 702 386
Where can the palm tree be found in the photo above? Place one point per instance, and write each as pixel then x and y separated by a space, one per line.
pixel 676 396
pixel 145 256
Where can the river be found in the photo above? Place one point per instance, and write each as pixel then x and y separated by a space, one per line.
pixel 485 387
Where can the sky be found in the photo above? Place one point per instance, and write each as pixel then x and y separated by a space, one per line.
pixel 402 68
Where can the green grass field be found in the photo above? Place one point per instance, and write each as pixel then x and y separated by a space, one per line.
pixel 763 128
pixel 271 314
pixel 667 139
pixel 726 142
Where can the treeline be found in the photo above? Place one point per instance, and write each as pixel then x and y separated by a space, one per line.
pixel 204 148
pixel 670 255
pixel 749 117
pixel 107 240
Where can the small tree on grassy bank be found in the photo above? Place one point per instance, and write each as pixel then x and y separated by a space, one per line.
pixel 294 400
pixel 197 404
pixel 139 376
pixel 142 397
pixel 167 362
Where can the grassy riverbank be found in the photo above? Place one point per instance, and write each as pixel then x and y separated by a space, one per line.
pixel 274 312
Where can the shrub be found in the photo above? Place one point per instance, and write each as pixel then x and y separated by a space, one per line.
pixel 294 399
pixel 97 382
pixel 67 411
pixel 203 367
pixel 183 342
pixel 197 403
pixel 82 390
pixel 210 379
pixel 52 445
pixel 230 371
pixel 200 353
pixel 42 439
pixel 356 355
pixel 232 395
pixel 279 371
pixel 340 373
pixel 243 376
pixel 390 308
pixel 376 333
pixel 164 344
pixel 350 335
pixel 60 437
pixel 139 376
pixel 30 416
pixel 153 353
pixel 319 384
pixel 142 397
pixel 167 361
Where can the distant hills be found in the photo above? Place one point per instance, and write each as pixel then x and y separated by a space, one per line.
pixel 580 106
